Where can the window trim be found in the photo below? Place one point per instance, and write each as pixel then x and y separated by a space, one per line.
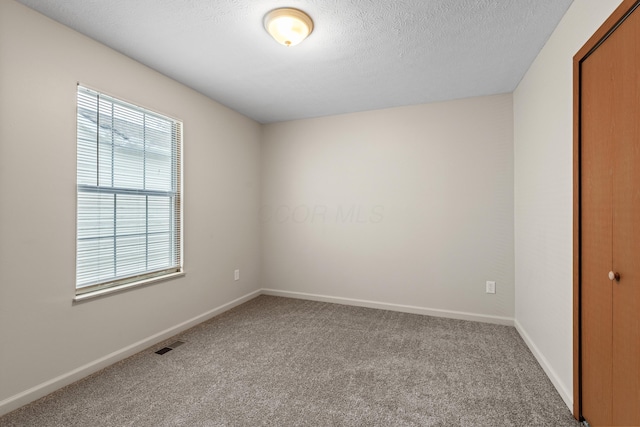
pixel 145 279
pixel 126 286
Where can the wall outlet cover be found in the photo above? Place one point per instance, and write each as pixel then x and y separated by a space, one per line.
pixel 491 287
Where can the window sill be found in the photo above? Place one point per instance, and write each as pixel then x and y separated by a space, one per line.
pixel 127 286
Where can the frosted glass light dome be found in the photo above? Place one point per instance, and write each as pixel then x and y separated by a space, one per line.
pixel 288 26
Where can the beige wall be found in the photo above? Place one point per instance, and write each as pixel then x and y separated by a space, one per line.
pixel 543 116
pixel 42 334
pixel 408 206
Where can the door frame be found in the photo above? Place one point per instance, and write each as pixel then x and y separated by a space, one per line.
pixel 605 30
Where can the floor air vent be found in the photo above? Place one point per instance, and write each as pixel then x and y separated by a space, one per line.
pixel 169 347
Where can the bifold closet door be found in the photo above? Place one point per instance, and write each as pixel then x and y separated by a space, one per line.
pixel 626 223
pixel 610 229
pixel 597 239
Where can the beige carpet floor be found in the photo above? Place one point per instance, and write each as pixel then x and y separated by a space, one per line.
pixel 285 362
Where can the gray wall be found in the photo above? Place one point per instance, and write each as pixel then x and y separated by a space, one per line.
pixel 45 340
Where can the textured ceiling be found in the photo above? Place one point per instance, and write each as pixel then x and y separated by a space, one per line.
pixel 362 55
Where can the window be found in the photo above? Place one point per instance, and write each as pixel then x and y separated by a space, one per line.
pixel 129 201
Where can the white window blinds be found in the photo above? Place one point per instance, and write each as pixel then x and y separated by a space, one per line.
pixel 128 183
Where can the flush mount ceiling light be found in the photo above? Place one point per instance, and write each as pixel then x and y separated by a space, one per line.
pixel 288 26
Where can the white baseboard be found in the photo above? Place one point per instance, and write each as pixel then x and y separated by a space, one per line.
pixel 394 307
pixel 34 393
pixel 555 380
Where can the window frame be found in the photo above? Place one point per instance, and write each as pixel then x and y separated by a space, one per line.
pixel 113 285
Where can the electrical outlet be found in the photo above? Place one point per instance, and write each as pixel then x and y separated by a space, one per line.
pixel 236 275
pixel 491 287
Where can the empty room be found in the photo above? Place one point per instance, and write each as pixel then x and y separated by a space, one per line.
pixel 319 212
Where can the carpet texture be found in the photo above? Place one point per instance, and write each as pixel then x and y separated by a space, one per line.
pixel 285 362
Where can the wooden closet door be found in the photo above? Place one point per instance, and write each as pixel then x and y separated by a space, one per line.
pixel 610 221
pixel 625 45
pixel 596 246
